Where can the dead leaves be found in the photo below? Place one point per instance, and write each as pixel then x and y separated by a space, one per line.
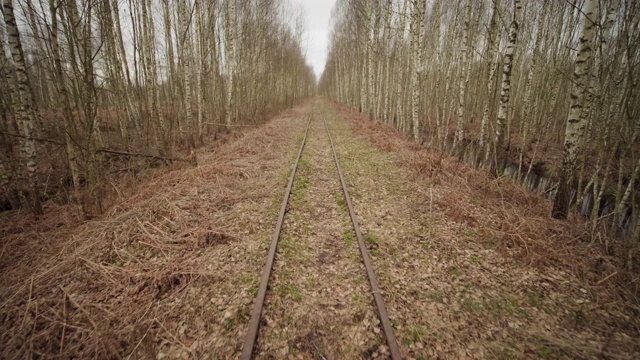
pixel 487 275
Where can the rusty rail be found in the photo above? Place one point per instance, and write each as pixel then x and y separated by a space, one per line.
pixel 382 310
pixel 254 323
pixel 256 315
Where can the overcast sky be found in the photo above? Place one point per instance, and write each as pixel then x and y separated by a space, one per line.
pixel 316 42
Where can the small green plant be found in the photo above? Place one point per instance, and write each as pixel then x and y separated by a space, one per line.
pixel 341 202
pixel 474 259
pixel 534 298
pixel 471 305
pixel 455 271
pixel 247 279
pixel 301 183
pixel 371 240
pixel 348 237
pixel 285 243
pixel 417 332
pixel 543 353
pixel 502 306
pixel 435 296
pixel 296 295
pixel 291 291
pixel 471 233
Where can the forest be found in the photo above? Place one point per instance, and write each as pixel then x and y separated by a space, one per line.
pixel 540 88
pixel 180 179
pixel 95 89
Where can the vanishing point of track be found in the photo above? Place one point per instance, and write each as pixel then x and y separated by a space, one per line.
pixel 256 315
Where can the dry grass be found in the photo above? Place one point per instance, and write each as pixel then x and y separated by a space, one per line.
pixel 319 304
pixel 492 274
pixel 116 286
pixel 518 218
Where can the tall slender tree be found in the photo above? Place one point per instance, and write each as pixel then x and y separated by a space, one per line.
pixel 576 124
pixel 23 104
pixel 505 90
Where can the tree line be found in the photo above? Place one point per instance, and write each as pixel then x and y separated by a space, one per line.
pixel 81 79
pixel 542 86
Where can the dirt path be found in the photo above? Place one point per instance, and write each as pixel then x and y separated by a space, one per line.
pixel 320 305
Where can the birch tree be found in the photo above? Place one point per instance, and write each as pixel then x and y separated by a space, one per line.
pixel 224 60
pixel 525 110
pixel 463 80
pixel 576 124
pixel 505 90
pixel 490 54
pixel 417 16
pixel 230 60
pixel 23 104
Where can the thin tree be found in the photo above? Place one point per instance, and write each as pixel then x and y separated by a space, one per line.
pixel 576 124
pixel 505 89
pixel 23 100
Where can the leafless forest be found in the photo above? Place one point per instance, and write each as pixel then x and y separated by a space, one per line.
pixel 547 88
pixel 87 82
pixel 462 180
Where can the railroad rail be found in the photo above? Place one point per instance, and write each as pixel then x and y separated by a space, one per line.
pixel 256 315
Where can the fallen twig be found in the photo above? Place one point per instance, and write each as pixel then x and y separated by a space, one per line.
pixel 127 153
pixel 607 278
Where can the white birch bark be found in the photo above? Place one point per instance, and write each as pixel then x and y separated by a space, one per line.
pixel 384 94
pixel 575 123
pixel 24 111
pixel 186 54
pixel 399 113
pixel 230 60
pixel 463 79
pixel 505 89
pixel 491 54
pixel 66 103
pixel 417 16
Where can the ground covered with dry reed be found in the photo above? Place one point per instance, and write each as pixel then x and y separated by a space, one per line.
pixel 167 272
pixel 473 266
pixel 470 266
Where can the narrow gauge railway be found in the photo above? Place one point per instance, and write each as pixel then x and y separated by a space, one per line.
pixel 256 315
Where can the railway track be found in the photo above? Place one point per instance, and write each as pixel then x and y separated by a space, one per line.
pixel 256 315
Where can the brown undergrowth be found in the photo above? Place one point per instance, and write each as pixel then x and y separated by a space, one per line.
pixel 513 213
pixel 161 273
pixel 514 281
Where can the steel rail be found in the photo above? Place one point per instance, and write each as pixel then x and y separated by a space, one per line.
pixel 254 323
pixel 382 310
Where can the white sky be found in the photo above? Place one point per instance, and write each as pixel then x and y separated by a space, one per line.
pixel 316 41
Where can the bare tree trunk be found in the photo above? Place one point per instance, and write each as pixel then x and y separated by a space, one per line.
pixel 200 55
pixel 417 15
pixel 505 91
pixel 463 79
pixel 491 54
pixel 186 51
pixel 399 116
pixel 383 95
pixel 231 61
pixel 24 110
pixel 66 103
pixel 575 123
pixel 526 106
